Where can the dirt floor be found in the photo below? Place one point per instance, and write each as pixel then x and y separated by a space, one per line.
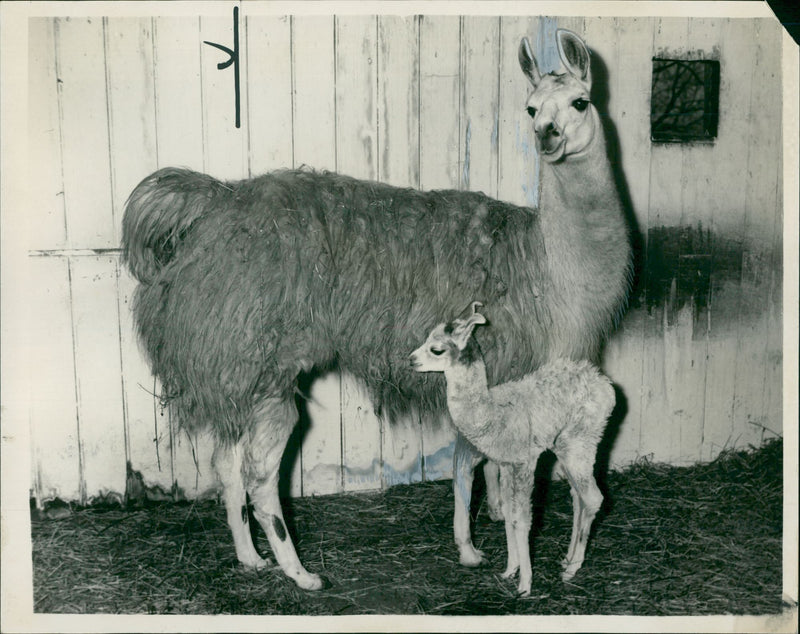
pixel 671 541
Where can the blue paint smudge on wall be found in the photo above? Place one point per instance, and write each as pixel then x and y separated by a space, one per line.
pixel 438 465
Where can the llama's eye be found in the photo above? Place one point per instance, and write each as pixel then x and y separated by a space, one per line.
pixel 531 112
pixel 437 352
pixel 580 104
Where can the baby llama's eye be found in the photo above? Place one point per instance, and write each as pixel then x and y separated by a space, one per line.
pixel 531 112
pixel 580 104
pixel 437 352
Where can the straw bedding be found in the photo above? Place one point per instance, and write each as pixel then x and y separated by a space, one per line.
pixel 672 541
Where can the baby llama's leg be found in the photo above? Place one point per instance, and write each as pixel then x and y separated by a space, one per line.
pixel 227 461
pixel 516 482
pixel 578 465
pixel 491 473
pixel 465 459
pixel 274 420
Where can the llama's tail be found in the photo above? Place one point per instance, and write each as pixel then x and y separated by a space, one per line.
pixel 159 214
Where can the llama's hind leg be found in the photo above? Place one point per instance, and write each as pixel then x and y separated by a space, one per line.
pixel 491 473
pixel 227 461
pixel 274 420
pixel 587 500
pixel 465 459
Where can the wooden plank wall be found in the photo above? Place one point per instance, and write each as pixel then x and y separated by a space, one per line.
pixel 420 101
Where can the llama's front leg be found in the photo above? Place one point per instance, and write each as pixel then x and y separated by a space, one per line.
pixel 274 422
pixel 227 461
pixel 522 487
pixel 465 459
pixel 491 473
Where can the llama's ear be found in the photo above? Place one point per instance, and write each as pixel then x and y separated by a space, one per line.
pixel 464 327
pixel 574 55
pixel 528 62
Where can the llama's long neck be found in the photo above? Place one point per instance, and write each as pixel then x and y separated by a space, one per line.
pixel 470 403
pixel 587 244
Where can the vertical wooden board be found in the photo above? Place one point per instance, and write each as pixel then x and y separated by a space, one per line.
pixel 46 187
pixel 361 438
pixel 179 106
pixel 84 132
pixel 660 427
pixel 618 47
pixel 398 100
pixel 401 451
pixel 322 445
pixel 99 374
pixel 440 66
pixel 518 169
pixel 269 92
pixel 314 131
pixel 148 433
pixel 132 126
pixel 763 207
pixel 355 42
pixel 480 93
pixel 439 101
pixel 699 208
pixel 731 146
pixel 438 444
pixel 192 453
pixel 53 409
pixel 224 145
pixel 356 154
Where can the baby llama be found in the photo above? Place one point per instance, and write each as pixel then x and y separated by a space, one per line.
pixel 563 406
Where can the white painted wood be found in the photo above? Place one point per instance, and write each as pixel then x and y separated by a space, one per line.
pixel 179 115
pixel 314 92
pixel 621 47
pixel 356 96
pixel 53 407
pixel 268 83
pixel 440 167
pixel 313 57
pixel 356 154
pixel 99 372
pixel 518 170
pixel 139 93
pixel 84 132
pixel 224 145
pixel 398 164
pixel 699 170
pixel 401 451
pixel 439 102
pixel 761 220
pixel 131 101
pixel 398 100
pixel 660 431
pixel 46 187
pixel 735 89
pixel 480 94
pixel 361 438
pixel 322 445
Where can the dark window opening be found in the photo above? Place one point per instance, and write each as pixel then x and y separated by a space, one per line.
pixel 684 101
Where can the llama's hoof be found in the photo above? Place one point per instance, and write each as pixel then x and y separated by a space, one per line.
pixel 509 572
pixel 471 557
pixel 253 563
pixel 523 592
pixel 569 572
pixel 311 581
pixel 495 514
